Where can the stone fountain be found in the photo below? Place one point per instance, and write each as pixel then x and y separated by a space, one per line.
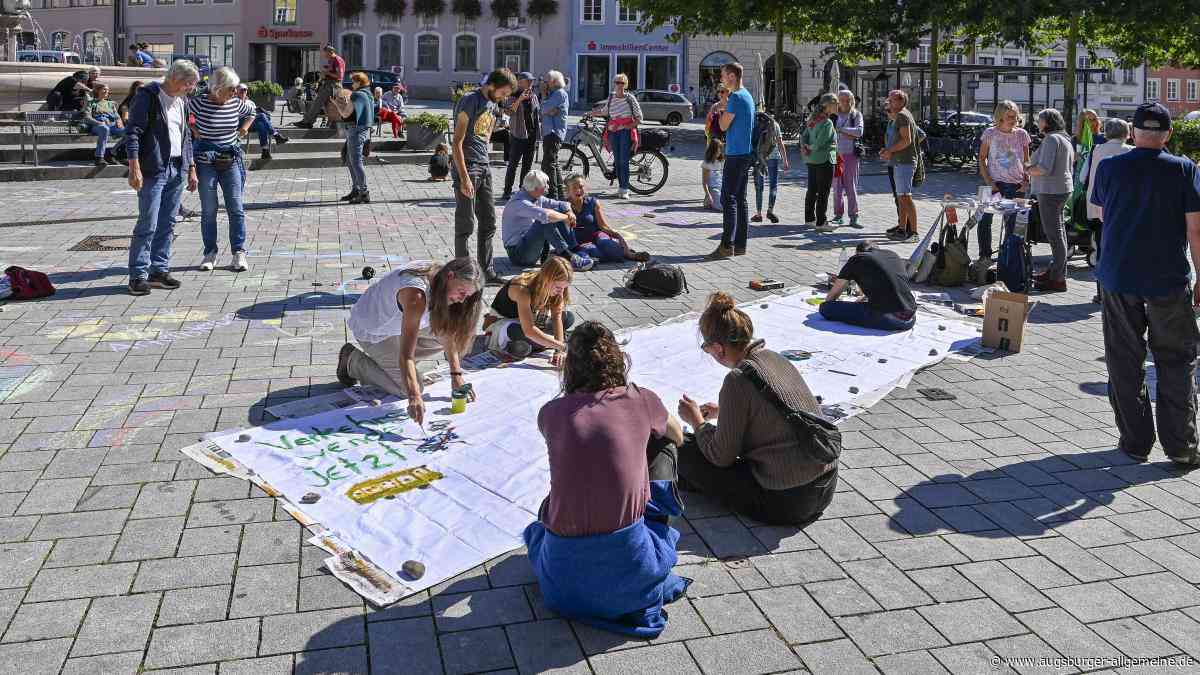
pixel 12 12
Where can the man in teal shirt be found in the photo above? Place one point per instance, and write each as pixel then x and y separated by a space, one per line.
pixel 737 121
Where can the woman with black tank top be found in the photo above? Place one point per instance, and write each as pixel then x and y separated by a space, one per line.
pixel 528 306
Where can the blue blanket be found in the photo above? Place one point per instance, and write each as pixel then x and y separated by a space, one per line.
pixel 617 581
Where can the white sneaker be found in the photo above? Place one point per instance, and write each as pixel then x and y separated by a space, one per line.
pixel 623 194
pixel 210 259
pixel 239 262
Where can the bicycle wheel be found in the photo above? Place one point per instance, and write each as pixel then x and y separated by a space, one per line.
pixel 572 160
pixel 647 172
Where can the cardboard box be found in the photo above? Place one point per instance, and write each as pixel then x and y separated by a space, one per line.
pixel 1004 316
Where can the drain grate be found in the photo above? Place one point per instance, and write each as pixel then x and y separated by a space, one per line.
pixel 99 242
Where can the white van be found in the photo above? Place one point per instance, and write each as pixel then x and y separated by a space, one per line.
pixel 48 56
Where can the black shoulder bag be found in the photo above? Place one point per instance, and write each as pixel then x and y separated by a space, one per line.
pixel 818 439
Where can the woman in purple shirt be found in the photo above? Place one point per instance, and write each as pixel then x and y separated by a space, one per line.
pixel 604 438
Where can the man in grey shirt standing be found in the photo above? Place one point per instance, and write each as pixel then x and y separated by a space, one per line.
pixel 524 130
pixel 475 117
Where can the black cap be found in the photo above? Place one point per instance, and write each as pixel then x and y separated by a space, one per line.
pixel 1152 117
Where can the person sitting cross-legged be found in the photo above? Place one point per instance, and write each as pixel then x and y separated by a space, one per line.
pixel 593 236
pixel 533 223
pixel 602 548
pixel 888 303
pixel 530 304
pixel 752 459
pixel 262 125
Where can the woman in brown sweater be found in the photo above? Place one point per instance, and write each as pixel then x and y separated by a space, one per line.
pixel 750 459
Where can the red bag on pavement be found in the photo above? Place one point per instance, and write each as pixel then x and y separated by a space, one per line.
pixel 28 284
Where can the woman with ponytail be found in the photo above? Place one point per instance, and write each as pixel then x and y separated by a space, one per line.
pixel 602 549
pixel 750 460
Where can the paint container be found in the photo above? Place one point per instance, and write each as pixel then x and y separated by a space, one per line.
pixel 458 401
pixel 985 193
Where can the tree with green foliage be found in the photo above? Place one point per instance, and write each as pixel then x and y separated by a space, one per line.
pixel 813 22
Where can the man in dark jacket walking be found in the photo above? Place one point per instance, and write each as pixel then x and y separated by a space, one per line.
pixel 160 158
pixel 524 130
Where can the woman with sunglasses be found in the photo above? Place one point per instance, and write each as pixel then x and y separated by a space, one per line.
pixel 750 460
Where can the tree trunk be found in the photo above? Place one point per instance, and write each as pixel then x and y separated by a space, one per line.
pixel 780 85
pixel 1069 77
pixel 935 51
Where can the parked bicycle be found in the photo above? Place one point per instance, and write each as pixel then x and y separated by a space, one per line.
pixel 648 167
pixel 791 124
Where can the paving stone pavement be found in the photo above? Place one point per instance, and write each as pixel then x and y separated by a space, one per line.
pixel 1000 524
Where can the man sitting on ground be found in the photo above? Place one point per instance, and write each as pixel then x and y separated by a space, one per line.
pixel 888 303
pixel 533 222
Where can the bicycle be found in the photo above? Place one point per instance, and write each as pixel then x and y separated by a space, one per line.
pixel 648 169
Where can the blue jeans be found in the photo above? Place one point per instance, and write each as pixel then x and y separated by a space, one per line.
pixel 158 201
pixel 529 249
pixel 356 138
pixel 102 132
pixel 735 225
pixel 231 181
pixel 604 249
pixel 773 178
pixel 622 148
pixel 1007 191
pixel 262 124
pixel 861 314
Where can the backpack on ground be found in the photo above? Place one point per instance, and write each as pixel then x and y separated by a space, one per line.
pixel 953 261
pixel 1013 264
pixel 339 107
pixel 818 439
pixel 28 284
pixel 657 279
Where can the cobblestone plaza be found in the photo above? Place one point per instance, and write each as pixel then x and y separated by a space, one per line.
pixel 978 534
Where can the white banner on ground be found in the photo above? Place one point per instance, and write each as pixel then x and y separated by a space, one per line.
pixel 425 505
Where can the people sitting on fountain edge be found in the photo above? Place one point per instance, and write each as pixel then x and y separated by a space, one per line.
pixel 602 548
pixel 534 224
pixel 752 459
pixel 888 302
pixel 70 93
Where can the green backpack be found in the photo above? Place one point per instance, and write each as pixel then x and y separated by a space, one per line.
pixel 953 261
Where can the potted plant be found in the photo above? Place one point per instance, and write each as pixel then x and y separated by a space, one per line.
pixel 391 8
pixel 467 9
pixel 348 8
pixel 540 10
pixel 264 94
pixel 429 7
pixel 504 10
pixel 461 91
pixel 425 131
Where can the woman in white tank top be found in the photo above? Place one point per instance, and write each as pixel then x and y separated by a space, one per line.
pixel 409 316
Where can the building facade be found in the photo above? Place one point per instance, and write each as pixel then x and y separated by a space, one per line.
pixel 1176 88
pixel 434 54
pixel 605 41
pixel 803 67
pixel 261 39
pixel 1117 92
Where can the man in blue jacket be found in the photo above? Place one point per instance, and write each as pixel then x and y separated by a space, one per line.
pixel 160 157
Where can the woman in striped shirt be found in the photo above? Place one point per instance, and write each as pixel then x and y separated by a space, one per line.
pixel 218 119
pixel 624 115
